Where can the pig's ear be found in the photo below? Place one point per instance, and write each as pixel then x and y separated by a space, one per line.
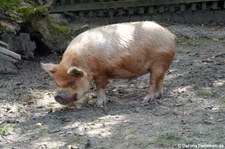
pixel 76 72
pixel 50 68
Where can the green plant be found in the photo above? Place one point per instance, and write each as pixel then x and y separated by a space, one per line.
pixel 28 13
pixel 168 140
pixel 206 93
pixel 5 129
pixel 56 27
pixel 222 103
pixel 9 4
pixel 75 138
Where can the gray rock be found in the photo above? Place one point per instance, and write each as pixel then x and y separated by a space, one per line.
pixel 7 60
pixel 8 26
pixel 54 38
pixel 7 67
pixel 3 44
pixel 20 43
pixel 47 3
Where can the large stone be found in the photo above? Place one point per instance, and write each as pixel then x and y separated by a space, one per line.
pixel 20 44
pixel 7 67
pixel 53 34
pixel 7 60
pixel 8 26
pixel 47 3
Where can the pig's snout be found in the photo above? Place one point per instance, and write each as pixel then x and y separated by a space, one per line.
pixel 60 99
pixel 65 98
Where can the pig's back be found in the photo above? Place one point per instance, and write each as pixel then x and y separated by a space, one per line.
pixel 122 38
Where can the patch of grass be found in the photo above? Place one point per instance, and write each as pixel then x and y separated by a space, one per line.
pixel 119 129
pixel 222 103
pixel 134 132
pixel 203 93
pixel 200 134
pixel 223 86
pixel 218 135
pixel 194 42
pixel 169 140
pixel 9 4
pixel 28 13
pixel 195 87
pixel 5 129
pixel 75 138
pixel 219 139
pixel 59 28
pixel 42 133
pixel 197 83
pixel 146 145
pixel 215 135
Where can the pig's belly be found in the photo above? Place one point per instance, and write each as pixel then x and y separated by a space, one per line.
pixel 130 67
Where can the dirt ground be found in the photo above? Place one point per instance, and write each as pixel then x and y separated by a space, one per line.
pixel 189 115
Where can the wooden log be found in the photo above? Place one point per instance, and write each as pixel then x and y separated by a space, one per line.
pixel 151 10
pixel 215 5
pixel 111 12
pixel 8 53
pixel 5 45
pixel 194 7
pixel 172 8
pixel 182 7
pixel 130 11
pixel 121 12
pixel 204 6
pixel 161 9
pixel 7 58
pixel 141 10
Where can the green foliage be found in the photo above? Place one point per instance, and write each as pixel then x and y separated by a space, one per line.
pixel 222 103
pixel 14 9
pixel 169 140
pixel 59 29
pixel 28 13
pixel 202 93
pixel 5 129
pixel 9 4
pixel 75 138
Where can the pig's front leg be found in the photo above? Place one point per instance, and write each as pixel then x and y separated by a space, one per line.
pixel 101 84
pixel 156 82
pixel 101 101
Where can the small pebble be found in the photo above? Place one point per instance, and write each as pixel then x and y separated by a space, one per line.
pixel 38 125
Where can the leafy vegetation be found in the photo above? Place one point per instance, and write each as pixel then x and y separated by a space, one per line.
pixel 55 27
pixel 202 93
pixel 5 129
pixel 169 140
pixel 15 10
pixel 27 13
pixel 222 103
pixel 75 138
pixel 9 4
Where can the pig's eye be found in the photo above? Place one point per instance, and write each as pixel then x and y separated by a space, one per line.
pixel 72 84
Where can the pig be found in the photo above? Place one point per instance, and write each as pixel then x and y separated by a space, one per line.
pixel 117 51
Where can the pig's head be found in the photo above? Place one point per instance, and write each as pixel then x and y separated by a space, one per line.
pixel 72 83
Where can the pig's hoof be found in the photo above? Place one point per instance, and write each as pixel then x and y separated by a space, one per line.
pixel 100 105
pixel 150 97
pixel 147 99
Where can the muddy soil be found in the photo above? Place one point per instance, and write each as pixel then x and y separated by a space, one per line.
pixel 190 114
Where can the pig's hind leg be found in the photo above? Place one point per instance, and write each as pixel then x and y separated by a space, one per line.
pixel 101 84
pixel 157 74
